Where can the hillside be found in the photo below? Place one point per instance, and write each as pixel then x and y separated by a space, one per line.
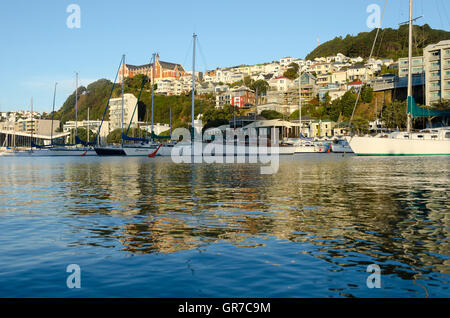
pixel 390 44
pixel 95 97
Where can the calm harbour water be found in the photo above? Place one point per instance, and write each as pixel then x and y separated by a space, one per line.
pixel 141 227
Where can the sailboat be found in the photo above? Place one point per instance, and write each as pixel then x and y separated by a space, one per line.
pixel 147 147
pixel 302 144
pixel 62 150
pixel 113 150
pixel 426 142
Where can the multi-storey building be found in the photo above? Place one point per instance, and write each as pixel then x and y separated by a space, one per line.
pixel 417 66
pixel 163 70
pixel 115 112
pixel 437 72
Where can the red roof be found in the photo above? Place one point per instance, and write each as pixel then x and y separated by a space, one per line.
pixel 280 77
pixel 356 83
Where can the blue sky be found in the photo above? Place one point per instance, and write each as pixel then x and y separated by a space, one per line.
pixel 38 49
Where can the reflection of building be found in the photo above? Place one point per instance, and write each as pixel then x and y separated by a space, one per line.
pixel 115 112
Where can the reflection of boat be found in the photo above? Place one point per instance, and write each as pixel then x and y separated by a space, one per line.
pixel 341 146
pixel 228 149
pixel 427 142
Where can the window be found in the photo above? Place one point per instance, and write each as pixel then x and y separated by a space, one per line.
pixel 447 135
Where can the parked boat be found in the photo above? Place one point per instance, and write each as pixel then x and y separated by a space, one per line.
pixel 341 146
pixel 425 142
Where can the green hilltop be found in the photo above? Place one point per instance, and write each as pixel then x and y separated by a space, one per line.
pixel 391 43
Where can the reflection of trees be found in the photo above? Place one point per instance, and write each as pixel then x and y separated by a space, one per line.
pixel 343 206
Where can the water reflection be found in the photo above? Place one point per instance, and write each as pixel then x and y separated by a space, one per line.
pixel 393 210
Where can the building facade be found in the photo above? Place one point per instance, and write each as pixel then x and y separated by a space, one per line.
pixel 163 70
pixel 417 66
pixel 115 112
pixel 437 72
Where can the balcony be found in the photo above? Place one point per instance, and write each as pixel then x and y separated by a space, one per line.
pixel 435 67
pixel 432 57
pixel 434 78
pixel 447 66
pixel 446 54
pixel 435 88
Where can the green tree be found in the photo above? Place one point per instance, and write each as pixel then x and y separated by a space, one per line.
pixel 443 104
pixel 292 71
pixel 271 114
pixel 261 85
pixel 361 125
pixel 394 115
pixel 366 94
pixel 82 134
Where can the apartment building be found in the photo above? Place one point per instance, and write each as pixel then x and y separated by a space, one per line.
pixel 115 112
pixel 437 72
pixel 417 66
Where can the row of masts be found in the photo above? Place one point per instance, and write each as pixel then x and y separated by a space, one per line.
pixel 193 88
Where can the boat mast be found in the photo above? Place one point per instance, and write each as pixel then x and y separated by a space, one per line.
pixel 153 91
pixel 300 102
pixel 32 127
pixel 76 105
pixel 88 126
pixel 193 84
pixel 123 91
pixel 410 100
pixel 53 113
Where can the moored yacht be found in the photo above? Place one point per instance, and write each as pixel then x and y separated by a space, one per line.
pixel 434 141
pixel 408 143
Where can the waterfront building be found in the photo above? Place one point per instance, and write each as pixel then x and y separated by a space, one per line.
pixel 284 109
pixel 115 112
pixel 417 66
pixel 319 128
pixel 437 72
pixel 92 125
pixel 37 126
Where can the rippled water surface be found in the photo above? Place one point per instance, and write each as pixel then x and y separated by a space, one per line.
pixel 141 227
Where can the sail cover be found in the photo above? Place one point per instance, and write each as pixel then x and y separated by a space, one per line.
pixel 417 111
pixel 84 143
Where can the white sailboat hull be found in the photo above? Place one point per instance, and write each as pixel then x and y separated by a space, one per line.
pixel 57 152
pixel 338 148
pixel 376 146
pixel 144 151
